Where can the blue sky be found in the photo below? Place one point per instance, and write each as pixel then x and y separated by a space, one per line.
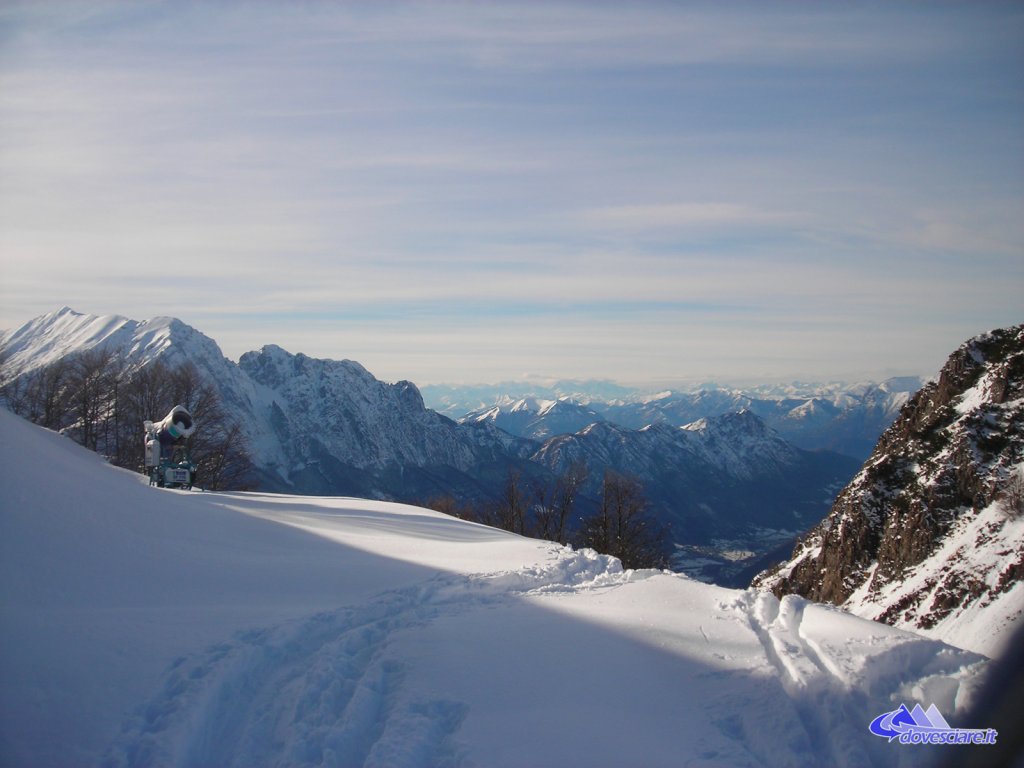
pixel 466 192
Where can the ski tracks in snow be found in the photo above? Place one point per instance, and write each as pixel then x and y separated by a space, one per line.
pixel 323 690
pixel 832 722
pixel 328 690
pixel 319 691
pixel 836 689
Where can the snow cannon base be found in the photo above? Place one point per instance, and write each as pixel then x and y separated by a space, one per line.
pixel 173 475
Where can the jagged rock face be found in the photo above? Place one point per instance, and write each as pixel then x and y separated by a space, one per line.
pixel 933 498
pixel 340 408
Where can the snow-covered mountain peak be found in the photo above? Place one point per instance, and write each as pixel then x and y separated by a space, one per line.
pixel 157 335
pixel 700 425
pixel 662 428
pixel 272 365
pixel 535 418
pixel 524 405
pixel 908 384
pixel 338 423
pixel 663 395
pixel 743 425
pixel 50 337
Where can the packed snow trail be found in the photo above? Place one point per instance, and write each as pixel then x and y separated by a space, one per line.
pixel 313 692
pixel 149 627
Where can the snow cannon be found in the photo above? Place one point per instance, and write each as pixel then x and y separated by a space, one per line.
pixel 166 450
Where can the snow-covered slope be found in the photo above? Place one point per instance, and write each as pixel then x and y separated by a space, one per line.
pixel 152 627
pixel 930 533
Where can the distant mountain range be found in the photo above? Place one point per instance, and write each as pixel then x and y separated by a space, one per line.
pixel 330 427
pixel 845 418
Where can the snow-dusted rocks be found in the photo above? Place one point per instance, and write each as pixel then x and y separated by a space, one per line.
pixel 930 534
pixel 152 627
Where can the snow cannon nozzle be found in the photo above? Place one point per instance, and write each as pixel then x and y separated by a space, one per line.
pixel 178 423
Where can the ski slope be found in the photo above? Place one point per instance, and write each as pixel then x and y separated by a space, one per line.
pixel 155 627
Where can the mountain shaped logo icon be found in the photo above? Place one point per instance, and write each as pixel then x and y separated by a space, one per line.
pixel 892 724
pixel 926 726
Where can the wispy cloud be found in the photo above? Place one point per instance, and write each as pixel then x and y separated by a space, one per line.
pixel 686 215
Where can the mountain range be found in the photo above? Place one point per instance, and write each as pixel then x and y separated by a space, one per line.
pixel 329 427
pixel 844 418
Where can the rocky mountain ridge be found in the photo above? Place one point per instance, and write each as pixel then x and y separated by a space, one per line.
pixel 931 530
pixel 341 428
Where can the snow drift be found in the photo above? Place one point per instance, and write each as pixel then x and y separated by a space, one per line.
pixel 155 627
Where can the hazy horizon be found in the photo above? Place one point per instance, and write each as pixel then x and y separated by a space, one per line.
pixel 526 381
pixel 464 192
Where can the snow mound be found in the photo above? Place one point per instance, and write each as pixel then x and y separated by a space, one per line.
pixel 572 571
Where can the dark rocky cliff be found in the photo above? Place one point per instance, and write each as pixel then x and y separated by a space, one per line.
pixel 923 509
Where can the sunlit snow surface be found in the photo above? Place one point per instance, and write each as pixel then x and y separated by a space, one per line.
pixel 151 627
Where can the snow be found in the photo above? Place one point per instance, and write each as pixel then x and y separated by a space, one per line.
pixel 982 625
pixel 153 627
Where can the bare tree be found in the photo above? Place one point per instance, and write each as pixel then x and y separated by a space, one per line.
pixel 42 396
pixel 226 462
pixel 511 507
pixel 555 503
pixel 449 505
pixel 143 393
pixel 91 386
pixel 15 395
pixel 622 527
